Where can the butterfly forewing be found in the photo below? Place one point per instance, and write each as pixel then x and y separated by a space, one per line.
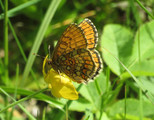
pixel 72 38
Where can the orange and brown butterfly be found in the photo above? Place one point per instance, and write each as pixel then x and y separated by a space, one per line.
pixel 75 56
pixel 75 53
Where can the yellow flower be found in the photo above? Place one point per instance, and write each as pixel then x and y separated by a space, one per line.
pixel 60 84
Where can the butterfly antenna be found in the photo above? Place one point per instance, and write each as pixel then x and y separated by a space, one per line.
pixel 39 55
pixel 49 51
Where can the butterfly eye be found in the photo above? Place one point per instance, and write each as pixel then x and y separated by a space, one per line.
pixel 48 65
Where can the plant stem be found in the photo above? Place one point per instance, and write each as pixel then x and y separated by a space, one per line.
pixel 144 9
pixel 6 41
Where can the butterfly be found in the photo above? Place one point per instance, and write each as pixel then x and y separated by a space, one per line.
pixel 75 54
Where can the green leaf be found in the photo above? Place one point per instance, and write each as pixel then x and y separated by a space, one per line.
pixel 85 92
pixel 144 68
pixel 88 115
pixel 118 41
pixel 146 37
pixel 102 82
pixel 149 83
pixel 91 95
pixel 132 108
pixel 39 37
pixel 80 105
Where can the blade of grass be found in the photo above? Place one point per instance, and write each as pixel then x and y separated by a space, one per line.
pixel 19 45
pixel 139 3
pixel 15 90
pixel 16 82
pixel 40 96
pixel 135 13
pixel 107 79
pixel 2 77
pixel 139 50
pixel 25 111
pixel 125 106
pixel 21 100
pixel 22 51
pixel 6 57
pixel 97 87
pixel 17 9
pixel 140 90
pixel 128 16
pixel 141 104
pixel 39 37
pixel 106 91
pixel 44 111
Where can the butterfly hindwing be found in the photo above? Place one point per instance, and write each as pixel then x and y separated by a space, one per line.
pixel 90 33
pixel 78 64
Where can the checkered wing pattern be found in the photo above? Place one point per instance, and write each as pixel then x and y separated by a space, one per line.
pixel 72 38
pixel 78 64
pixel 98 63
pixel 75 53
pixel 90 33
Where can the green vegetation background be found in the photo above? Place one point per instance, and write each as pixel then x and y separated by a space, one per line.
pixel 125 87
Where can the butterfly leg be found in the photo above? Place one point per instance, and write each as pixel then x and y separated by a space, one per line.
pixel 59 75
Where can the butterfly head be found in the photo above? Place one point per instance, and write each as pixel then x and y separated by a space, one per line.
pixel 47 65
